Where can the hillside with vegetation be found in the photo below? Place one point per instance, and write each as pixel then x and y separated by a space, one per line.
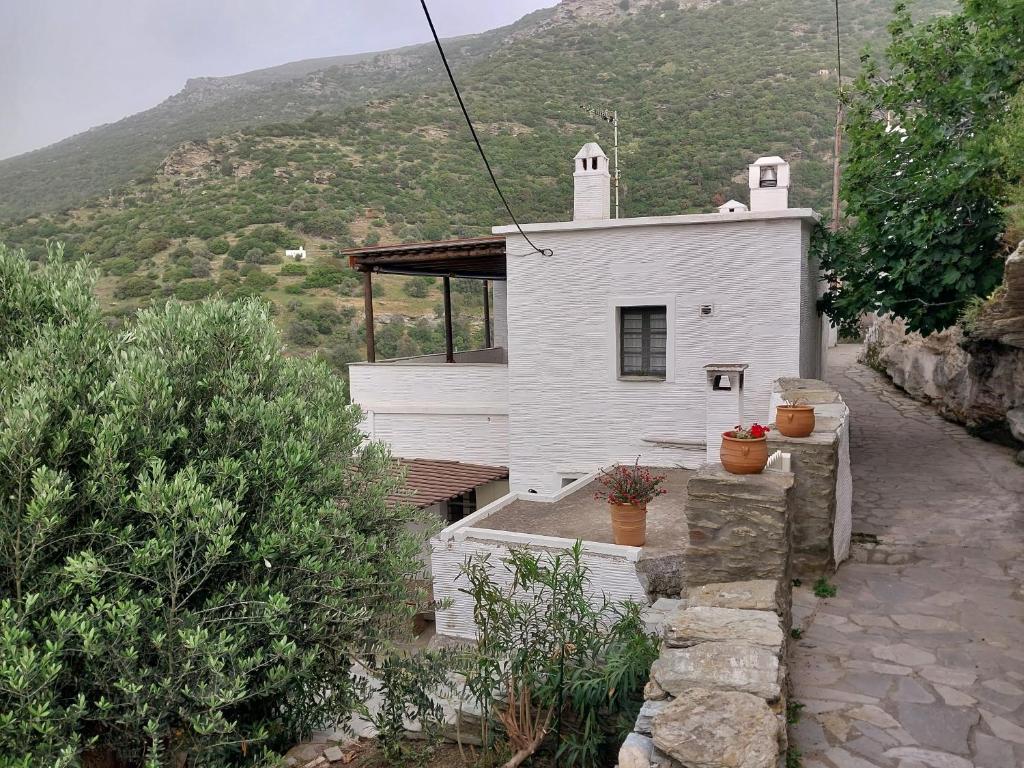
pixel 202 194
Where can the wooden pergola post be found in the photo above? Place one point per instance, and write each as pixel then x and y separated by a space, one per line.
pixel 487 315
pixel 449 350
pixel 371 350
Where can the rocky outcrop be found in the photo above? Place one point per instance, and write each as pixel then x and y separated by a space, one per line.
pixel 1002 320
pixel 191 160
pixel 975 379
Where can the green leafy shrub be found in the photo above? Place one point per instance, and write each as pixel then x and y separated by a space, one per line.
pixel 293 268
pixel 328 275
pixel 260 280
pixel 135 286
pixel 418 287
pixel 194 289
pixel 196 546
pixel 219 246
pixel 577 667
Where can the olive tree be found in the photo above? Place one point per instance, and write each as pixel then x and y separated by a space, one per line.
pixel 195 544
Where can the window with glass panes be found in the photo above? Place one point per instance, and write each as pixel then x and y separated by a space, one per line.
pixel 643 333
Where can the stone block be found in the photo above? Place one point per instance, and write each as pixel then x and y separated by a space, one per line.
pixel 718 729
pixel 739 526
pixel 729 666
pixel 636 752
pixel 697 625
pixel 655 615
pixel 814 461
pixel 757 595
pixel 646 715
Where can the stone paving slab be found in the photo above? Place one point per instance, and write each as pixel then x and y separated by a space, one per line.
pixel 918 662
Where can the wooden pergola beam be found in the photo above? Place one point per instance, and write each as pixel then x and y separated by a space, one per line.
pixel 371 349
pixel 449 349
pixel 487 315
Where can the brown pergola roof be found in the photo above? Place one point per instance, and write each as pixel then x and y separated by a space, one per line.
pixel 478 257
pixel 429 481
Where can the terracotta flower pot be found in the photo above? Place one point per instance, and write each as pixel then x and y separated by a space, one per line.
pixel 743 457
pixel 795 420
pixel 629 524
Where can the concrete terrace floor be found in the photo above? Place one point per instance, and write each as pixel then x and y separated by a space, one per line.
pixel 581 516
pixel 918 662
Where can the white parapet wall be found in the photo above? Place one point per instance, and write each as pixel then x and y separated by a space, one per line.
pixel 428 409
pixel 823 514
pixel 613 567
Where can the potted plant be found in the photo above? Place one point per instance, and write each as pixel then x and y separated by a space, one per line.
pixel 628 491
pixel 794 418
pixel 745 449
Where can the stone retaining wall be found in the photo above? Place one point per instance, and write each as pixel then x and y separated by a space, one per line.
pixel 974 378
pixel 823 492
pixel 739 526
pixel 717 692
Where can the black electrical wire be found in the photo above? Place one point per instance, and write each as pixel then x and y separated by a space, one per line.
pixel 472 130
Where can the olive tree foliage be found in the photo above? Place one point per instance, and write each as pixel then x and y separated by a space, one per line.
pixel 194 544
pixel 925 179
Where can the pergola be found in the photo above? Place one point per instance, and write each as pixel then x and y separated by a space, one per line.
pixel 479 258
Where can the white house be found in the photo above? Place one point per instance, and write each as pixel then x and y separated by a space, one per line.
pixel 596 354
pixel 295 253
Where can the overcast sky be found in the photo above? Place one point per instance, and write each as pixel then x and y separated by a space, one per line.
pixel 67 65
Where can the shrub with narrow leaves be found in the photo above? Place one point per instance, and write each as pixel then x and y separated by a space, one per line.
pixel 194 543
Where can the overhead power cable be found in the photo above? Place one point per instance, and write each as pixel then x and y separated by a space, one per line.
pixel 476 139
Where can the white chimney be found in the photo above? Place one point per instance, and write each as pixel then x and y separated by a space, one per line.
pixel 769 184
pixel 592 184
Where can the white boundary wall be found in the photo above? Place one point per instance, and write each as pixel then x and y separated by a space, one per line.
pixel 612 567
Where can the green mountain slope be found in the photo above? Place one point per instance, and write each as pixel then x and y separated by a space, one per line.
pixel 384 155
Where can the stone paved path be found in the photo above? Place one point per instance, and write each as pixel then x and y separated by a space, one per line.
pixel 918 662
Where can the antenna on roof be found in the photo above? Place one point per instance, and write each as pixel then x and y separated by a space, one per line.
pixel 613 118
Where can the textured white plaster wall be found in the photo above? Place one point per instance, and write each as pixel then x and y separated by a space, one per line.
pixel 569 410
pixel 499 313
pixel 457 411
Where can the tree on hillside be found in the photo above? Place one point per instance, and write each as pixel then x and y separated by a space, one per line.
pixel 194 543
pixel 925 178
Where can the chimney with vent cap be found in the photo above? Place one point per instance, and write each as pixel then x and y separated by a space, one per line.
pixel 768 179
pixel 592 184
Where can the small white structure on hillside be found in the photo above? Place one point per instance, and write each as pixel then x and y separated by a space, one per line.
pixel 732 206
pixel 295 253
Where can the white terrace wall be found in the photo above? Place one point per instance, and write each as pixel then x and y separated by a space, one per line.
pixel 429 409
pixel 612 567
pixel 571 413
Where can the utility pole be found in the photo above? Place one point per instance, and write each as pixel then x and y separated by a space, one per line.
pixel 837 147
pixel 613 118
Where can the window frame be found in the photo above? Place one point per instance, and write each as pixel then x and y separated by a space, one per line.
pixel 646 370
pixel 615 306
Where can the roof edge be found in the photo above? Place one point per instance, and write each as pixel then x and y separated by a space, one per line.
pixel 803 214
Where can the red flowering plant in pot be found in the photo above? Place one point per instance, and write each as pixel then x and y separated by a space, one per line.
pixel 745 449
pixel 628 490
